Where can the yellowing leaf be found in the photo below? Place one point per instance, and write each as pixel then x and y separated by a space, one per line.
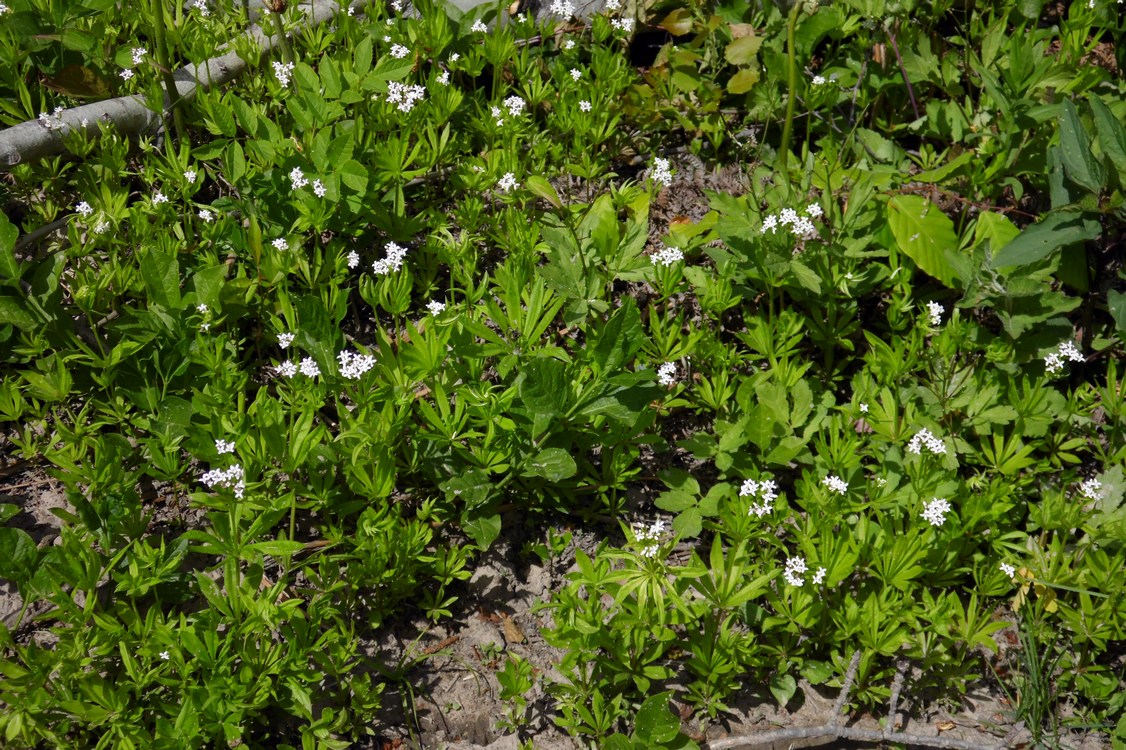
pixel 741 51
pixel 677 23
pixel 743 81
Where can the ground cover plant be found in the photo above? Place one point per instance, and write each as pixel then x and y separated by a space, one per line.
pixel 423 282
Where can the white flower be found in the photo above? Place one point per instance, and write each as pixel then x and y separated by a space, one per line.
pixel 819 576
pixel 393 261
pixel 1008 570
pixel 576 74
pixel 353 259
pixel 495 112
pixel 286 369
pixel 205 327
pixel 649 537
pixel 201 308
pixel 508 182
pixel 935 310
pixel 280 243
pixel 666 256
pixel 864 408
pixel 925 437
pixel 666 374
pixel 224 446
pixel 435 307
pixel 585 106
pixel 230 478
pixel 404 95
pixel 563 8
pixel 454 57
pixel 795 566
pixel 138 55
pixel 771 223
pixel 515 105
pixel 1053 363
pixel 190 175
pixel 818 80
pixel 814 210
pixel 398 51
pixel 1067 350
pixel 52 121
pixel 4 9
pixel 935 511
pixel 285 339
pixel 613 5
pixel 126 74
pixel 297 179
pixel 353 365
pixel 101 227
pixel 206 215
pixel 309 367
pixel 158 198
pixel 283 71
pixel 767 490
pixel 1091 489
pixel 319 189
pixel 201 6
pixel 478 26
pixel 444 79
pixel 835 484
pixel 623 24
pixel 569 44
pixel 84 208
pixel 660 172
pixel 165 655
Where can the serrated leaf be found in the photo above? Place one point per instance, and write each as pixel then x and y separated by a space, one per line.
pixel 541 188
pixel 655 723
pixel 553 464
pixel 1058 229
pixel 1078 160
pixel 742 50
pixel 688 524
pixel 1112 135
pixel 675 501
pixel 926 235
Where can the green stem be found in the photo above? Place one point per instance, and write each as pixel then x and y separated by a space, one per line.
pixel 283 40
pixel 156 9
pixel 792 84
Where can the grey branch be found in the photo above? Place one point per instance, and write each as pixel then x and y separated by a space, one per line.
pixel 32 140
pixel 831 731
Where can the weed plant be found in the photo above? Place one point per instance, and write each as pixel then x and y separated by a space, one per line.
pixel 349 310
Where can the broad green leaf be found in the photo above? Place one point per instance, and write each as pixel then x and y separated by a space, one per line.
pixel 483 530
pixel 1058 229
pixel 618 340
pixel 805 276
pixel 544 386
pixel 355 176
pixel 1078 160
pixel 783 688
pixel 9 267
pixel 941 173
pixel 678 22
pixel 1116 303
pixel 553 464
pixel 742 50
pixel 926 235
pixel 13 310
pixel 689 523
pixel 656 724
pixel 996 228
pixel 1112 135
pixel 743 81
pixel 18 554
pixel 674 501
pixel 542 188
pixel 161 274
pixel 362 56
pixel 78 81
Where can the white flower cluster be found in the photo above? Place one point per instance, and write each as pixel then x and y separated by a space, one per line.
pixel 925 437
pixel 766 490
pixel 398 51
pixel 666 374
pixel 52 121
pixel 84 208
pixel 935 511
pixel 623 24
pixel 308 368
pixel 666 256
pixel 201 6
pixel 353 259
pixel 4 9
pixel 281 243
pixel 1008 570
pixel 800 226
pixel 224 446
pixel 1092 489
pixel 563 8
pixel 393 261
pixel 283 71
pixel 297 179
pixel 404 95
pixel 835 484
pixel 285 339
pixel 1066 351
pixel 515 105
pixel 819 576
pixel 576 74
pixel 507 183
pixel 158 198
pixel 206 215
pixel 818 80
pixel 479 26
pixel 660 173
pixel 230 478
pixel 934 311
pixel 435 307
pixel 613 5
pixel 353 365
pixel 444 79
pixel 649 537
pixel 138 55
pixel 795 567
pixel 585 106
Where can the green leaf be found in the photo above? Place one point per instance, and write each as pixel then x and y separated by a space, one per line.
pixel 483 530
pixel 1116 303
pixel 544 386
pixel 14 310
pixel 1078 159
pixel 926 236
pixel 618 340
pixel 9 267
pixel 1058 229
pixel 278 547
pixel 743 50
pixel 161 274
pixel 655 723
pixel 1112 135
pixel 743 81
pixel 542 188
pixel 996 228
pixel 817 672
pixel 783 687
pixel 355 176
pixel 675 501
pixel 553 464
pixel 18 554
pixel 689 523
pixel 805 276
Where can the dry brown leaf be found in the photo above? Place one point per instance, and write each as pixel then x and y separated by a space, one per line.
pixel 512 631
pixel 945 726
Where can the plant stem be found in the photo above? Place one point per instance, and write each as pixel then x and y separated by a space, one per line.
pixel 792 85
pixel 156 9
pixel 903 72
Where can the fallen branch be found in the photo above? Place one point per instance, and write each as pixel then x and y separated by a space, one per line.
pixel 832 731
pixel 33 140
